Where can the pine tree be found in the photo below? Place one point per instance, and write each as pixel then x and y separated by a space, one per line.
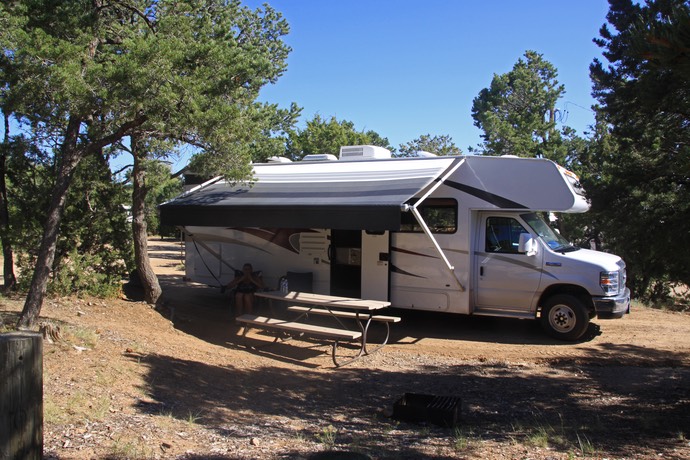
pixel 640 182
pixel 92 73
pixel 517 112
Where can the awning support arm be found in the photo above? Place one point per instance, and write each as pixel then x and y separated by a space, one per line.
pixel 425 227
pixel 451 269
pixel 438 183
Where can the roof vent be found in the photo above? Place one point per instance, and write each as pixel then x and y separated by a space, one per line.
pixel 279 160
pixel 363 152
pixel 319 157
pixel 425 154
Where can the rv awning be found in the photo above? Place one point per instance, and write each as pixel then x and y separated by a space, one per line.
pixel 343 195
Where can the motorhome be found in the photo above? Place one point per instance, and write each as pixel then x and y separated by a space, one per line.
pixel 461 234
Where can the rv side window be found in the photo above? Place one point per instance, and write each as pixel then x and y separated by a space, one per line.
pixel 503 234
pixel 439 214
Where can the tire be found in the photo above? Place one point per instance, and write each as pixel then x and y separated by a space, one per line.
pixel 564 317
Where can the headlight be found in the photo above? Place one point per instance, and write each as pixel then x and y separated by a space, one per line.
pixel 609 282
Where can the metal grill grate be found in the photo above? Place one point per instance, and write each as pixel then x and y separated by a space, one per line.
pixel 417 408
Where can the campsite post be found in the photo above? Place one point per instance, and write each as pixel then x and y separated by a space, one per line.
pixel 21 396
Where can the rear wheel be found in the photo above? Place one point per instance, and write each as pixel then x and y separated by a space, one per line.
pixel 565 317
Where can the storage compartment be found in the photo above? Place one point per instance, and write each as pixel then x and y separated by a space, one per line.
pixel 439 410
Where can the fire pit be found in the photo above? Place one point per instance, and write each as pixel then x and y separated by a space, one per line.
pixel 439 410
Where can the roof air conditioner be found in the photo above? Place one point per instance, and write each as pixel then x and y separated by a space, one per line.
pixel 363 152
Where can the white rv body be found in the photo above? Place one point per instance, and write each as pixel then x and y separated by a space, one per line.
pixel 445 254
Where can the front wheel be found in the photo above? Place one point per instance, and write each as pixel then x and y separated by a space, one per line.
pixel 564 317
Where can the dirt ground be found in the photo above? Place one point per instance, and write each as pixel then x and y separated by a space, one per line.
pixel 125 380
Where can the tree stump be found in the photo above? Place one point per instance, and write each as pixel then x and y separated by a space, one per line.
pixel 21 396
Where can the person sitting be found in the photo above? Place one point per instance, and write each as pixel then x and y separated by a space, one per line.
pixel 246 283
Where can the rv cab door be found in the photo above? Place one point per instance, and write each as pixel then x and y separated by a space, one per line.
pixel 506 279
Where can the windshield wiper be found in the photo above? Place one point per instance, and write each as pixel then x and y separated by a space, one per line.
pixel 567 248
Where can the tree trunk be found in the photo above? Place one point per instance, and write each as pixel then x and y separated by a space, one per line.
pixel 68 161
pixel 149 280
pixel 7 253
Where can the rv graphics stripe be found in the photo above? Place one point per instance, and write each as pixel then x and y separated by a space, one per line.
pixel 210 238
pixel 278 236
pixel 405 251
pixel 496 200
pixel 399 271
pixel 513 261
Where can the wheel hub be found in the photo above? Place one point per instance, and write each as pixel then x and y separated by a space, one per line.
pixel 562 318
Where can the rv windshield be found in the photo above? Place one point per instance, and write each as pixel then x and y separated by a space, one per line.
pixel 550 236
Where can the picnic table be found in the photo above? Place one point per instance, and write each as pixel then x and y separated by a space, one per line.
pixel 362 311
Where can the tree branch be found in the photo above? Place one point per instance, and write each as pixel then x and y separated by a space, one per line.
pixel 122 146
pixel 141 14
pixel 121 169
pixel 121 132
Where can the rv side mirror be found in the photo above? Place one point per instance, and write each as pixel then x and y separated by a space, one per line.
pixel 527 244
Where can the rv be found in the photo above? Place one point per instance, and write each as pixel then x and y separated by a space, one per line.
pixel 463 234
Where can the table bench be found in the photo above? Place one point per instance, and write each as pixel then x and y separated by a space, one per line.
pixel 311 330
pixel 360 310
pixel 363 320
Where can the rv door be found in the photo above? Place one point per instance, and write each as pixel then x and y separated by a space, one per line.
pixel 375 274
pixel 359 264
pixel 507 279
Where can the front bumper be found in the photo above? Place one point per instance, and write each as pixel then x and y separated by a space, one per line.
pixel 612 307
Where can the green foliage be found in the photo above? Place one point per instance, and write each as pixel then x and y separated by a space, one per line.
pixel 327 136
pixel 327 436
pixel 462 438
pixel 222 61
pixel 94 247
pixel 273 126
pixel 81 76
pixel 188 71
pixel 273 141
pixel 517 112
pixel 439 145
pixel 95 221
pixel 29 175
pixel 638 171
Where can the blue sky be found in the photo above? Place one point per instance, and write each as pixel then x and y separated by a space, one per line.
pixel 406 68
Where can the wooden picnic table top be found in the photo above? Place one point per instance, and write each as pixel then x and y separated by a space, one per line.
pixel 327 301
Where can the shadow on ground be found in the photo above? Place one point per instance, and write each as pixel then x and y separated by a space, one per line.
pixel 204 311
pixel 601 404
pixel 618 397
